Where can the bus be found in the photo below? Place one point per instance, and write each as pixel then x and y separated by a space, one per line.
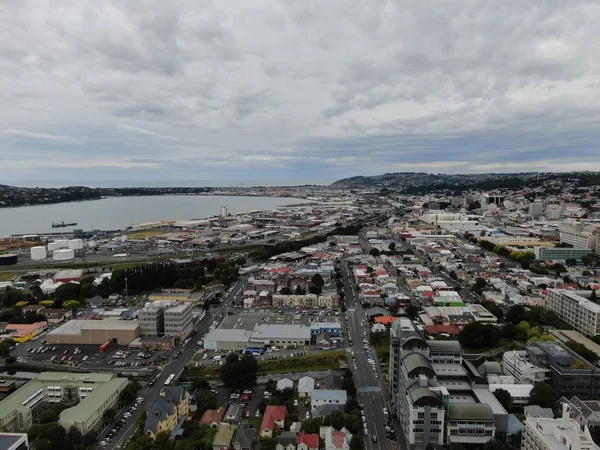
pixel 170 379
pixel 255 351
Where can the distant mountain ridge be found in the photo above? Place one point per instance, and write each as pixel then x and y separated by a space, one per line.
pixel 419 182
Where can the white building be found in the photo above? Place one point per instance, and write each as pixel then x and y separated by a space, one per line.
pixel 152 319
pixel 178 320
pixel 574 308
pixel 322 397
pixel 552 253
pixel 554 434
pixel 515 363
pixel 578 237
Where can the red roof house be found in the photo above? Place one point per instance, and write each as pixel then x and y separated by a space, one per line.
pixel 274 416
pixel 308 441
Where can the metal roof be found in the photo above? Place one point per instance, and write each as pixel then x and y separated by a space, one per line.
pixel 423 396
pixel 414 361
pixel 479 412
pixel 329 395
pixel 447 346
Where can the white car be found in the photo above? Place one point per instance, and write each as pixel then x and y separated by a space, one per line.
pixel 307 414
pixel 103 443
pixel 296 402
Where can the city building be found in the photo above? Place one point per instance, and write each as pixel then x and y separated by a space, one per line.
pixel 517 364
pixel 570 374
pixel 96 393
pixel 536 210
pixel 321 397
pixel 583 412
pixel 560 253
pixel 94 332
pixel 578 236
pixel 179 320
pixel 152 319
pixel 575 308
pixel 14 441
pixel 23 332
pixel 540 433
pixel 66 276
pixel 224 340
pixel 167 412
pixel 290 336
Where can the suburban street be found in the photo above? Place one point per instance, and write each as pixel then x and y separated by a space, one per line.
pixel 370 392
pixel 172 365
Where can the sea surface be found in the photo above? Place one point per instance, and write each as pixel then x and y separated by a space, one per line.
pixel 116 213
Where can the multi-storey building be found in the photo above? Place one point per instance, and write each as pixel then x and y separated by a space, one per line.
pixel 551 253
pixel 540 433
pixel 167 412
pixel 14 441
pixel 439 397
pixel 152 319
pixel 578 236
pixel 305 301
pixel 96 393
pixel 517 364
pixel 570 374
pixel 179 320
pixel 574 308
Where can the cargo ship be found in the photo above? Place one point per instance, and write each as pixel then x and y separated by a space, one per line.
pixel 63 224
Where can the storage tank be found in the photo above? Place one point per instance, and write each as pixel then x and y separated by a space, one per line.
pixel 38 253
pixel 63 254
pixel 76 244
pixel 92 244
pixel 62 243
pixel 8 259
pixel 52 246
pixel 124 238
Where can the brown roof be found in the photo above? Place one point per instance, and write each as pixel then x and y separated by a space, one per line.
pixel 212 416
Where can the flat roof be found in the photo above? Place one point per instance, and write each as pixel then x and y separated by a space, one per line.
pixel 7 440
pixel 228 335
pixel 268 332
pixel 74 327
pixel 72 273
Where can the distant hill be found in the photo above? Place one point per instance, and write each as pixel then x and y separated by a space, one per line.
pixel 418 182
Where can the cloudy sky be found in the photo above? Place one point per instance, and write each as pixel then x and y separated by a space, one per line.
pixel 296 90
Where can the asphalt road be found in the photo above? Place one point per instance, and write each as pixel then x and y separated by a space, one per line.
pixel 370 390
pixel 172 365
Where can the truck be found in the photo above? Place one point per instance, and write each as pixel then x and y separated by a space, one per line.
pixel 104 347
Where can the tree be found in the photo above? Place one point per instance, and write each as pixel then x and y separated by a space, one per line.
pixel 5 346
pixel 300 290
pixel 312 426
pixel 108 416
pixel 206 400
pixel 13 296
pixel 374 252
pixel 46 303
pixel 356 442
pixel 493 308
pixel 334 419
pixel 239 372
pixel 392 247
pixel 452 275
pixel 285 291
pixel 67 291
pixel 504 398
pixel 411 311
pixel 88 290
pixel 479 285
pixel 478 335
pixel 71 304
pixel 317 280
pixel 268 444
pixel 543 395
pixel 593 296
pixel 509 331
pixel 571 262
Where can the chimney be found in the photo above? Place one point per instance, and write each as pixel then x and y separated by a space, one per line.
pixel 566 414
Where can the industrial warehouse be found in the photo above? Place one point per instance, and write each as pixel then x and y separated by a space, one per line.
pixel 94 332
pixel 285 336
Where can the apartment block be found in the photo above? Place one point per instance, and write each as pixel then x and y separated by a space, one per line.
pixel 574 308
pixel 517 364
pixel 96 393
pixel 179 321
pixel 578 236
pixel 540 433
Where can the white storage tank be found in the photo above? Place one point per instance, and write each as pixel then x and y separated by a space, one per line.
pixel 38 253
pixel 52 246
pixel 63 243
pixel 92 244
pixel 63 254
pixel 76 244
pixel 124 238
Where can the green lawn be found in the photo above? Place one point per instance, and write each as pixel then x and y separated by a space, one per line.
pixel 146 234
pixel 254 422
pixel 7 276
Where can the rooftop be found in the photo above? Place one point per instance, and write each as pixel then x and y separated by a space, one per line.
pixel 270 332
pixel 228 335
pixel 470 412
pixel 74 327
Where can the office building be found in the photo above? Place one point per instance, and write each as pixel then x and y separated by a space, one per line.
pixel 517 364
pixel 574 308
pixel 14 441
pixel 439 397
pixel 179 321
pixel 570 374
pixel 578 236
pixel 541 433
pixel 552 253
pixel 536 210
pixel 152 318
pixel 96 393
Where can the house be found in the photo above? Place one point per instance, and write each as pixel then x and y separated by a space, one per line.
pixel 56 315
pixel 213 417
pixel 223 436
pixel 274 416
pixel 336 440
pixel 333 381
pixel 325 410
pixel 285 383
pixel 328 397
pixel 306 385
pixel 167 412
pixel 244 436
pixel 286 441
pixel 308 441
pixel 233 414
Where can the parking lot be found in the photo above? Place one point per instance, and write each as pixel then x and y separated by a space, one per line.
pixel 247 319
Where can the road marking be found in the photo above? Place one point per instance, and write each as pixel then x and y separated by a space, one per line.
pixel 369 389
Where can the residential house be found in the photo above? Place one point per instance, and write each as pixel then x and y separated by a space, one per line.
pixel 328 397
pixel 308 441
pixel 306 386
pixel 336 440
pixel 244 437
pixel 274 416
pixel 213 417
pixel 584 412
pixel 285 383
pixel 233 414
pixel 286 441
pixel 325 410
pixel 223 436
pixel 167 412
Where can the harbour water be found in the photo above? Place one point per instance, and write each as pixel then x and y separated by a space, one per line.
pixel 116 213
